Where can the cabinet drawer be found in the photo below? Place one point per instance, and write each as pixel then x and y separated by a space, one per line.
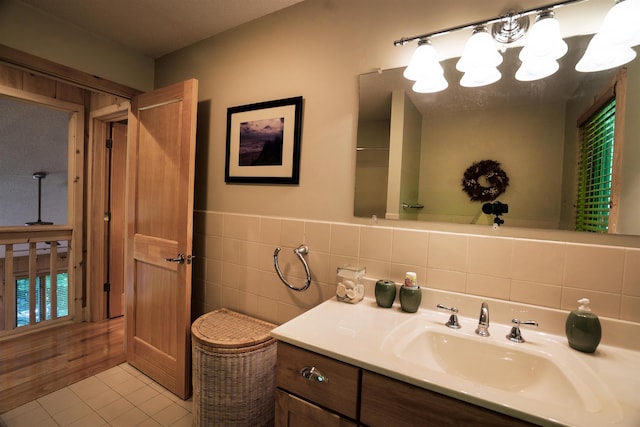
pixel 388 402
pixel 292 411
pixel 339 393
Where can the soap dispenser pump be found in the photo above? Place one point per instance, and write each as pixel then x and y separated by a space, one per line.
pixel 583 328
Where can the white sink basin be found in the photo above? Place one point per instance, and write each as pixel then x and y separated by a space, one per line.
pixel 540 372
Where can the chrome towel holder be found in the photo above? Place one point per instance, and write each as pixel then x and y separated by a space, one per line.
pixel 300 252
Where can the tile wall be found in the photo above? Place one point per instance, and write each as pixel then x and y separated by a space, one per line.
pixel 234 266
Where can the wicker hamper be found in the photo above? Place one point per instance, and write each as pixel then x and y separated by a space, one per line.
pixel 234 360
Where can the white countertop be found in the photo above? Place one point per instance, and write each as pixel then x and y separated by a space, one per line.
pixel 358 333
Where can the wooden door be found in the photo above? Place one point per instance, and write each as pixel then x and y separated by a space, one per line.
pixel 159 220
pixel 115 231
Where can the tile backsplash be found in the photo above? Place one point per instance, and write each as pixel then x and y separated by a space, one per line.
pixel 234 266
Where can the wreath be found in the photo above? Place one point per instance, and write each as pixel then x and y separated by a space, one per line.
pixel 495 176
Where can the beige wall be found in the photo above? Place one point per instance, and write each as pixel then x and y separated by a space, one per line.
pixel 30 30
pixel 317 49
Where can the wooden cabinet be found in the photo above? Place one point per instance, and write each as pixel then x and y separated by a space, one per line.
pixel 292 411
pixel 347 396
pixel 336 390
pixel 388 402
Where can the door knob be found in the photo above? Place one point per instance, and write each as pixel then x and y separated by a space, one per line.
pixel 179 259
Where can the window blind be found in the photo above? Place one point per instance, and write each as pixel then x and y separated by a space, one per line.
pixel 595 169
pixel 22 298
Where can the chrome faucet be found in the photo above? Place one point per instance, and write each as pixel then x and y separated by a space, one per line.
pixel 483 322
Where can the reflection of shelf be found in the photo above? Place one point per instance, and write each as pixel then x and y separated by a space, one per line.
pixel 412 206
pixel 371 149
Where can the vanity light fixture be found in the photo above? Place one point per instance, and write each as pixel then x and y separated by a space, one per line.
pixel 609 48
pixel 425 69
pixel 612 44
pixel 543 48
pixel 480 59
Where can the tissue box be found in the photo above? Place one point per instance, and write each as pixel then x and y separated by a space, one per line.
pixel 349 288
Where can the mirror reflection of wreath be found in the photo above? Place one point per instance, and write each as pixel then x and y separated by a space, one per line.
pixel 494 175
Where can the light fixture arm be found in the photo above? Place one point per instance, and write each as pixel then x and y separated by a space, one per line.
pixel 506 18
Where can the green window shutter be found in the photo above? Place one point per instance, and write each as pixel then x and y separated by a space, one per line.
pixel 595 168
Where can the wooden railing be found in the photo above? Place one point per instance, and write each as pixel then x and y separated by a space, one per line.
pixel 34 253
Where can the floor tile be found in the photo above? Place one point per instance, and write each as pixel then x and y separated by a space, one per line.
pixel 59 400
pixel 72 413
pixel 115 409
pixel 118 397
pixel 170 414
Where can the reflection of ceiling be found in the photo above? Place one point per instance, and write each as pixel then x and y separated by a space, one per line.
pixel 158 27
pixel 33 139
pixel 375 88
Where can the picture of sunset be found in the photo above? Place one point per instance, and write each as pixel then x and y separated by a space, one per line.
pixel 261 142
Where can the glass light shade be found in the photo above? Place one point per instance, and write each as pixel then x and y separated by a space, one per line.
pixel 423 62
pixel 479 52
pixel 434 83
pixel 536 70
pixel 544 42
pixel 621 26
pixel 599 57
pixel 480 77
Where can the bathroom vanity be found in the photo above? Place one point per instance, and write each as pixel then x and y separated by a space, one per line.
pixel 346 365
pixel 353 394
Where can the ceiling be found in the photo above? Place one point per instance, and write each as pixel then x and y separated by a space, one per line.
pixel 158 27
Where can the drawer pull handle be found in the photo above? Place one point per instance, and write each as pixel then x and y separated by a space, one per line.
pixel 312 374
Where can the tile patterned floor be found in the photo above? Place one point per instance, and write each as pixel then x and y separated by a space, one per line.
pixel 119 397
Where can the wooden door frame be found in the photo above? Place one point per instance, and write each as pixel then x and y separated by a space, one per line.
pixel 96 194
pixel 75 189
pixel 11 58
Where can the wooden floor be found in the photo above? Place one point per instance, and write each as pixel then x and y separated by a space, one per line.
pixel 37 364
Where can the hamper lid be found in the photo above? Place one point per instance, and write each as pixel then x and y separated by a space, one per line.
pixel 224 328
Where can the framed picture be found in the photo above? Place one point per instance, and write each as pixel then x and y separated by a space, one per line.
pixel 263 142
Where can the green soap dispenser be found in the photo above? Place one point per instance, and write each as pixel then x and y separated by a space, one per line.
pixel 583 328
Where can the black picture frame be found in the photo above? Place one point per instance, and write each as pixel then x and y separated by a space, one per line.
pixel 263 142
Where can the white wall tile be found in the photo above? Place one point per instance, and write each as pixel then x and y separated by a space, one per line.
pixel 447 280
pixel 490 256
pixel 317 235
pixel 630 309
pixel 375 243
pixel 488 286
pixel 537 261
pixel 243 227
pixel 270 231
pixel 598 268
pixel 536 293
pixel 398 272
pixel 602 304
pixel 292 233
pixel 410 247
pixel 448 251
pixel 631 279
pixel 345 240
pixel 377 269
pixel 237 266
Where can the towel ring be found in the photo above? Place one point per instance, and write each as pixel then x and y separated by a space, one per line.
pixel 300 252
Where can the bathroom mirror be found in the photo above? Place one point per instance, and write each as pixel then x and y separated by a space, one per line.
pixel 530 128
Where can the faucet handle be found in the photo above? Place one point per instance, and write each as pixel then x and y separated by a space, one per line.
pixel 453 319
pixel 515 334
